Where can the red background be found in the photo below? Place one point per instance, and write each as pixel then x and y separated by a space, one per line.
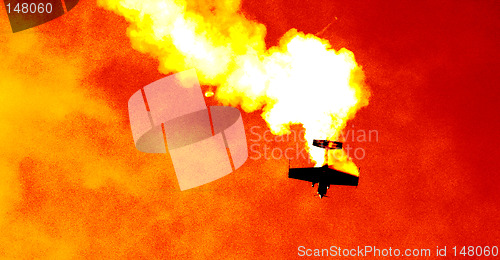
pixel 431 178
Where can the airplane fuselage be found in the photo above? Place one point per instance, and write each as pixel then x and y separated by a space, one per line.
pixel 322 189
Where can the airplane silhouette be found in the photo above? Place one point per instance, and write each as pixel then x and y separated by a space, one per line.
pixel 324 176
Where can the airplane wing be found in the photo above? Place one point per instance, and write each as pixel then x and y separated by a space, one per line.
pixel 335 177
pixel 305 174
pixel 327 144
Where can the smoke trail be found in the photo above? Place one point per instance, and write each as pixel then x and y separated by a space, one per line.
pixel 300 81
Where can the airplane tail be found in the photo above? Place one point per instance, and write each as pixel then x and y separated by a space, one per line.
pixel 324 196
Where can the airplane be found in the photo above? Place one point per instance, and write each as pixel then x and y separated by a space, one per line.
pixel 324 176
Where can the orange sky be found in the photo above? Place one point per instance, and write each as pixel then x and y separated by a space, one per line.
pixel 74 186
